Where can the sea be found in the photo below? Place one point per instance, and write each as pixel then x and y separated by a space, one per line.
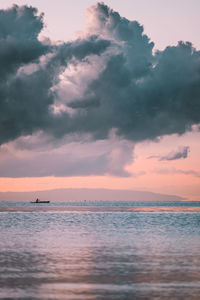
pixel 100 250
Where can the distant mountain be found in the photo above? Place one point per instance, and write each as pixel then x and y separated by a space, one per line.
pixel 66 195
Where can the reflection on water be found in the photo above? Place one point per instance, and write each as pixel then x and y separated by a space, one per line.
pixel 99 255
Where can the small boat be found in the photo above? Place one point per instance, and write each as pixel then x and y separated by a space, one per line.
pixel 40 201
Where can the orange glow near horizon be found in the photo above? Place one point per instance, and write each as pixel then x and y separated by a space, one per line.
pixel 151 182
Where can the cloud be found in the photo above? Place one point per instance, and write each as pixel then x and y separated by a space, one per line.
pixel 109 79
pixel 174 155
pixel 29 69
pixel 38 155
pixel 176 171
pixel 182 152
pixel 140 94
pixel 19 44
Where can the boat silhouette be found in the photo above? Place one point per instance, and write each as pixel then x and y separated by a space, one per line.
pixel 40 201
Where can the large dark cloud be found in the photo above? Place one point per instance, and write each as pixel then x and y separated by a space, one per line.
pixel 19 44
pixel 29 69
pixel 141 94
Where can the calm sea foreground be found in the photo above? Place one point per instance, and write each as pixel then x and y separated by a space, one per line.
pixel 122 250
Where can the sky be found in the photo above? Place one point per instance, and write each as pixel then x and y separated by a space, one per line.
pixel 100 95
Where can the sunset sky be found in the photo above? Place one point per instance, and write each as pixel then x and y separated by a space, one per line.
pixel 100 95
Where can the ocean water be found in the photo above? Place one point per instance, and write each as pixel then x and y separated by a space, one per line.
pixel 89 250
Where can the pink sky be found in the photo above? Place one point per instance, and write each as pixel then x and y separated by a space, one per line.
pixel 172 182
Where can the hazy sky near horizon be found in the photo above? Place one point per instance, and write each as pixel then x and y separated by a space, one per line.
pixel 104 111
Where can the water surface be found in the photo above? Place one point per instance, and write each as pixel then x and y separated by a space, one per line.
pixel 123 250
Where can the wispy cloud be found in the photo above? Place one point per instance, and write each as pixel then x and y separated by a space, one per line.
pixel 182 152
pixel 176 171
